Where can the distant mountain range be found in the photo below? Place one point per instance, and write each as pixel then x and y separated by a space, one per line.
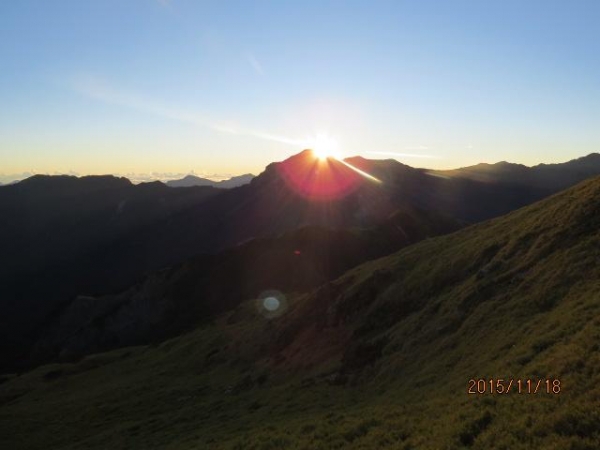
pixel 193 180
pixel 69 237
pixel 542 176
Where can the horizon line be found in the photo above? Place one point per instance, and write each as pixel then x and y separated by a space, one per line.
pixel 148 177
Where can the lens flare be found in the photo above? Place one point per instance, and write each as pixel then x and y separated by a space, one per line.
pixel 321 173
pixel 271 304
pixel 319 179
pixel 361 172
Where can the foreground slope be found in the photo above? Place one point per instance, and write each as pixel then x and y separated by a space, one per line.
pixel 379 358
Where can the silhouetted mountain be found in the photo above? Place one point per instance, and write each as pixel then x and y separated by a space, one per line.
pixel 239 180
pixel 543 176
pixel 190 180
pixel 91 236
pixel 381 357
pixel 193 180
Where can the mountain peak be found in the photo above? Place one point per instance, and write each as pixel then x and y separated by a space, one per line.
pixel 306 154
pixel 194 180
pixel 189 181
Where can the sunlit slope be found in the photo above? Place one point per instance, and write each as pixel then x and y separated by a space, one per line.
pixel 485 284
pixel 379 358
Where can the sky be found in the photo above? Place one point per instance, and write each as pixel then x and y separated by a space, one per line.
pixel 158 88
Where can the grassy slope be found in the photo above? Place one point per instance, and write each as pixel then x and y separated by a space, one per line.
pixel 378 359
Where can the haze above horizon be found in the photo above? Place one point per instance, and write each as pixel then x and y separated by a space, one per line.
pixel 224 88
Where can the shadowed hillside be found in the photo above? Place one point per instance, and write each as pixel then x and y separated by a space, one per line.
pixel 54 231
pixel 174 300
pixel 379 358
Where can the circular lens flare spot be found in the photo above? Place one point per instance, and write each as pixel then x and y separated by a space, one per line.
pixel 271 304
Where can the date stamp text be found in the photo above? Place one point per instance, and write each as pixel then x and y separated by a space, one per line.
pixel 482 386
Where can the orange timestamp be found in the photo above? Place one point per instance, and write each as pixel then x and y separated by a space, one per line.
pixel 483 386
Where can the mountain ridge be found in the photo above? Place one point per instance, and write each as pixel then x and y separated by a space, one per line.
pixel 546 176
pixel 240 180
pixel 193 180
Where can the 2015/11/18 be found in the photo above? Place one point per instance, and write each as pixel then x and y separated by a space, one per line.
pixel 501 386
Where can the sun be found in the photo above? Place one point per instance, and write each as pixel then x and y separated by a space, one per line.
pixel 325 146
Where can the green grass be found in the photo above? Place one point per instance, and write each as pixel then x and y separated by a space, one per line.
pixel 380 358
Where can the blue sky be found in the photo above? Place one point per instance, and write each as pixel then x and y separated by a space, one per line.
pixel 172 86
